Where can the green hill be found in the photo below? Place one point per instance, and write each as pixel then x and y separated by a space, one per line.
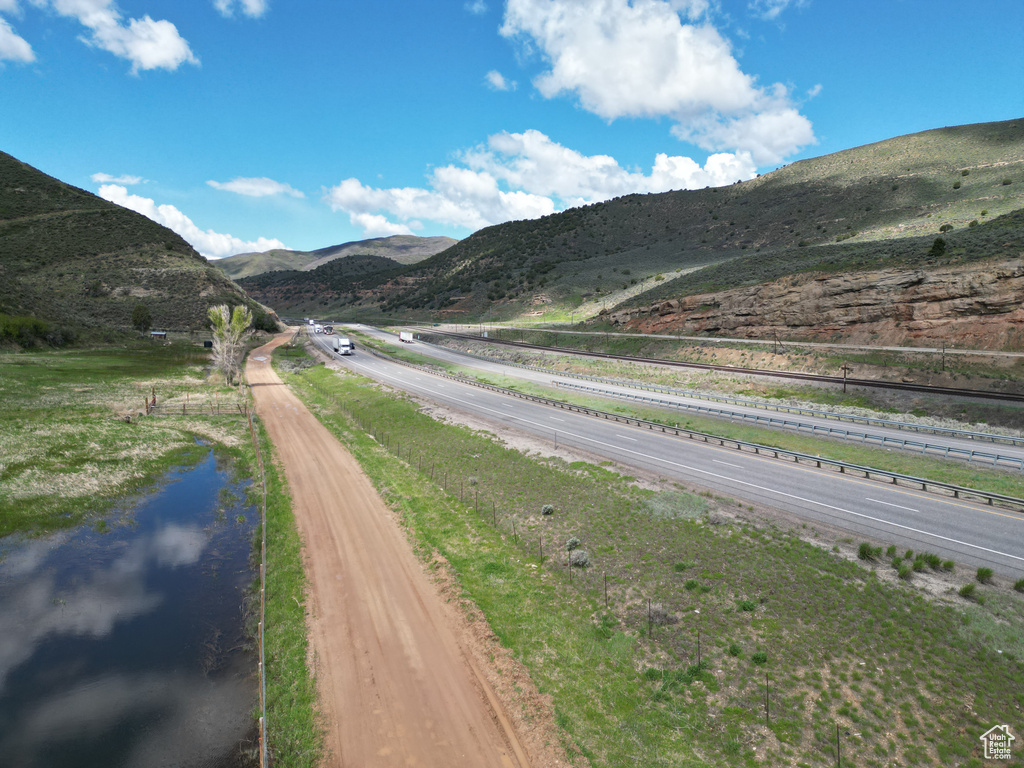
pixel 401 249
pixel 600 256
pixel 76 265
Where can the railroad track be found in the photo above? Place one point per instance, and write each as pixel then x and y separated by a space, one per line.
pixel 810 377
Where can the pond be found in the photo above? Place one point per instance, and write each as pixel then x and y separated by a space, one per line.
pixel 124 643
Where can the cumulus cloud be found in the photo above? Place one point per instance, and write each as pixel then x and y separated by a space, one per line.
pixel 212 245
pixel 251 8
pixel 146 43
pixel 522 176
pixel 477 7
pixel 12 46
pixel 261 187
pixel 656 58
pixel 125 179
pixel 497 81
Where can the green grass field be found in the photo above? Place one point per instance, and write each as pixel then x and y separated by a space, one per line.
pixel 907 679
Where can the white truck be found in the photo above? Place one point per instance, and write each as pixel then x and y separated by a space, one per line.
pixel 405 336
pixel 317 328
pixel 343 345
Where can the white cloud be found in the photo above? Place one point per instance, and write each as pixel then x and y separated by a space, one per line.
pixel 261 187
pixel 477 7
pixel 497 81
pixel 146 43
pixel 251 8
pixel 770 10
pixel 522 176
pixel 654 58
pixel 212 245
pixel 106 178
pixel 12 46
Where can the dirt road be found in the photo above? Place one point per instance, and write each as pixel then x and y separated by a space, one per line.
pixel 396 687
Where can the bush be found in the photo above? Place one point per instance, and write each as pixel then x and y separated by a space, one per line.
pixel 571 544
pixel 734 650
pixel 956 185
pixel 967 591
pixel 1019 585
pixel 1007 182
pixel 948 565
pixel 759 658
pixel 578 558
pixel 891 551
pixel 691 584
pixel 933 560
pixel 905 571
pixel 547 509
pixel 984 575
pixel 747 605
pixel 866 552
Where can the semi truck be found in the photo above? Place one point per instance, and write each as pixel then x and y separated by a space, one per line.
pixel 343 345
pixel 405 336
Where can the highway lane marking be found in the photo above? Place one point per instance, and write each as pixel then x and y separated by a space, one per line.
pixel 784 494
pixel 888 504
pixel 553 418
pixel 718 461
pixel 623 437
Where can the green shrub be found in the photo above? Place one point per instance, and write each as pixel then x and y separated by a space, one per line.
pixel 972 223
pixel 747 605
pixel 547 509
pixel 572 543
pixel 1019 585
pixel 984 575
pixel 734 650
pixel 680 567
pixel 1007 182
pixel 965 172
pixel 933 560
pixel 867 552
pixel 956 185
pixel 691 584
pixel 967 591
pixel 948 565
pixel 760 657
pixel 891 551
pixel 905 571
pixel 919 563
pixel 579 558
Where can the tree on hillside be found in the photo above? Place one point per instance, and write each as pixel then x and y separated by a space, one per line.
pixel 142 320
pixel 230 330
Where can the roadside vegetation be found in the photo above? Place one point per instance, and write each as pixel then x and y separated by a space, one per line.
pixel 706 617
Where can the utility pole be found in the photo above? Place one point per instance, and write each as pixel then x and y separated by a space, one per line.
pixel 846 370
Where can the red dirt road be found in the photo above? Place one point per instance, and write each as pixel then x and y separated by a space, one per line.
pixel 396 687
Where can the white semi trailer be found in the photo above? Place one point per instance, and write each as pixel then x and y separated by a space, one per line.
pixel 343 345
pixel 405 336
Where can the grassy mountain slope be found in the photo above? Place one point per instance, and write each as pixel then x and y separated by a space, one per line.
pixel 586 259
pixel 402 249
pixel 81 264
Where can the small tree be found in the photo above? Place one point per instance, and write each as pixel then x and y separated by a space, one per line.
pixel 230 329
pixel 142 320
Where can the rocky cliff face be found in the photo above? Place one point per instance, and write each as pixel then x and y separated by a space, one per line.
pixel 979 306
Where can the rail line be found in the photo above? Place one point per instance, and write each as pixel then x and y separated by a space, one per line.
pixel 811 377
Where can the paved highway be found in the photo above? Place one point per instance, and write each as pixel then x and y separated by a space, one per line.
pixel 1007 456
pixel 971 534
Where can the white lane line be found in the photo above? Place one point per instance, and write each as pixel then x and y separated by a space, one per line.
pixel 888 504
pixel 554 418
pixel 728 479
pixel 623 437
pixel 717 461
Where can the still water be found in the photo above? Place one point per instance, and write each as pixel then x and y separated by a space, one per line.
pixel 128 647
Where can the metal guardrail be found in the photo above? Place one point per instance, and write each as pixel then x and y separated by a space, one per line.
pixel 871 473
pixel 882 441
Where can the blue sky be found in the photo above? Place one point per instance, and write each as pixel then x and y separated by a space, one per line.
pixel 251 124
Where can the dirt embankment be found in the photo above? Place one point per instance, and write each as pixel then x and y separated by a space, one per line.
pixel 978 306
